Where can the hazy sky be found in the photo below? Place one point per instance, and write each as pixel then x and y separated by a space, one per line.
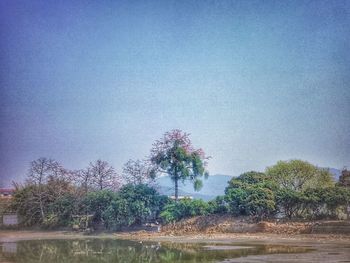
pixel 252 81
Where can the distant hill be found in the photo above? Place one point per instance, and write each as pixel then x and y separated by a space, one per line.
pixel 213 186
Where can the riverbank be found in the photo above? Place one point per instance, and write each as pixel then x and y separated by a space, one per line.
pixel 325 248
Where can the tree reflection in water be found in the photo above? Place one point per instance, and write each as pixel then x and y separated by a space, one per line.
pixel 109 250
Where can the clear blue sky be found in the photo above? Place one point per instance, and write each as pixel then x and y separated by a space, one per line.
pixel 252 81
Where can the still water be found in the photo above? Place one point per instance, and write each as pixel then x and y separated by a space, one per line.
pixel 109 250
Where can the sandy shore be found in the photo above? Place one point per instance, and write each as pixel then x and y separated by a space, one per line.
pixel 17 235
pixel 327 248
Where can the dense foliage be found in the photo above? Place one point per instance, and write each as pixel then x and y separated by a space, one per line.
pixel 133 204
pixel 251 194
pixel 292 189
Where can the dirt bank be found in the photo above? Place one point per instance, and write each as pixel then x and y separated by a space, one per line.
pixel 228 224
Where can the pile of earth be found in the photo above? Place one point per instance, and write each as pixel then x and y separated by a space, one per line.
pixel 228 224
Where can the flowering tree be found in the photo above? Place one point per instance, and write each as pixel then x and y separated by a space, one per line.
pixel 175 155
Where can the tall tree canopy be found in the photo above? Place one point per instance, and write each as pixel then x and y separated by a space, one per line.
pixel 175 155
pixel 299 175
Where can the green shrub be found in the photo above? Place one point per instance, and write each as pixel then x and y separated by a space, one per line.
pixel 133 205
pixel 236 201
pixel 254 201
pixel 217 206
pixel 97 202
pixel 175 211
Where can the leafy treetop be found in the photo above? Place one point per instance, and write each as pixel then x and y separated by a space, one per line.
pixel 175 155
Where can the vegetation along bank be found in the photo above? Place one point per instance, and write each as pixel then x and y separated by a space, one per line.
pixel 97 198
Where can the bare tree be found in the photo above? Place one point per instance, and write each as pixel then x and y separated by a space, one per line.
pixel 83 179
pixel 104 176
pixel 137 172
pixel 40 172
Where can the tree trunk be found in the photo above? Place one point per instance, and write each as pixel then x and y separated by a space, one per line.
pixel 42 211
pixel 41 207
pixel 176 189
pixel 176 185
pixel 41 199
